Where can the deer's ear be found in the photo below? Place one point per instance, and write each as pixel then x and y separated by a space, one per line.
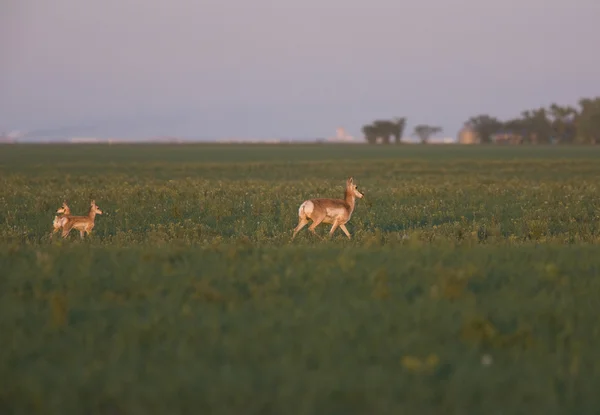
pixel 350 180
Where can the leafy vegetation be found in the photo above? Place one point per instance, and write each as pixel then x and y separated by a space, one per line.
pixel 470 284
pixel 556 124
pixel 424 132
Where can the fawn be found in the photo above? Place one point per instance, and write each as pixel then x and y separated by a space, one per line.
pixel 334 211
pixel 84 224
pixel 59 222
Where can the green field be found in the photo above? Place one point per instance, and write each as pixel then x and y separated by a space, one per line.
pixel 471 284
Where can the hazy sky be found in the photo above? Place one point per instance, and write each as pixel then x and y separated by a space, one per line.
pixel 264 68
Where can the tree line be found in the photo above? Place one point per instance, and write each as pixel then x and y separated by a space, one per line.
pixel 384 130
pixel 555 124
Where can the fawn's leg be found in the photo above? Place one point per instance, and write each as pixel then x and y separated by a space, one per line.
pixel 333 228
pixel 301 224
pixel 316 223
pixel 343 227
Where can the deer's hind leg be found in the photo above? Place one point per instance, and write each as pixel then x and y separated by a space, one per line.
pixel 334 227
pixel 343 227
pixel 301 224
pixel 316 222
pixel 66 230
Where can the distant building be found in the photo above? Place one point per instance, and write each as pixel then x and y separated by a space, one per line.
pixel 341 136
pixel 5 139
pixel 84 140
pixel 10 137
pixel 468 135
pixel 507 137
pixel 439 140
pixel 166 139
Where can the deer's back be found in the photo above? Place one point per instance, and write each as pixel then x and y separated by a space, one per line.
pixel 80 222
pixel 332 209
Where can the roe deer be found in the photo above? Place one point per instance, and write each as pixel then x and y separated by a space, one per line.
pixel 59 222
pixel 334 211
pixel 84 224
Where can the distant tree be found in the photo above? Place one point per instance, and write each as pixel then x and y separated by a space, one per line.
pixel 485 126
pixel 536 126
pixel 384 130
pixel 562 124
pixel 562 121
pixel 515 129
pixel 588 121
pixel 397 129
pixel 370 133
pixel 424 132
pixel 526 124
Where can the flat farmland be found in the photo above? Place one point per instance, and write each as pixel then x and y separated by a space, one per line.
pixel 471 284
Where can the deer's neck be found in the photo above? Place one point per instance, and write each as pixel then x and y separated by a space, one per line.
pixel 350 198
pixel 92 214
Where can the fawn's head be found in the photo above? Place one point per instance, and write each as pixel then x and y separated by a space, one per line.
pixel 351 187
pixel 64 209
pixel 94 208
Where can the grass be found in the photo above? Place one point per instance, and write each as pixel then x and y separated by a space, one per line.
pixel 470 284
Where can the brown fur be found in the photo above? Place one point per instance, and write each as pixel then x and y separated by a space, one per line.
pixel 334 211
pixel 84 224
pixel 59 221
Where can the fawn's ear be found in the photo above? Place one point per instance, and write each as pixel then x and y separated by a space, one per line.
pixel 93 202
pixel 350 180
